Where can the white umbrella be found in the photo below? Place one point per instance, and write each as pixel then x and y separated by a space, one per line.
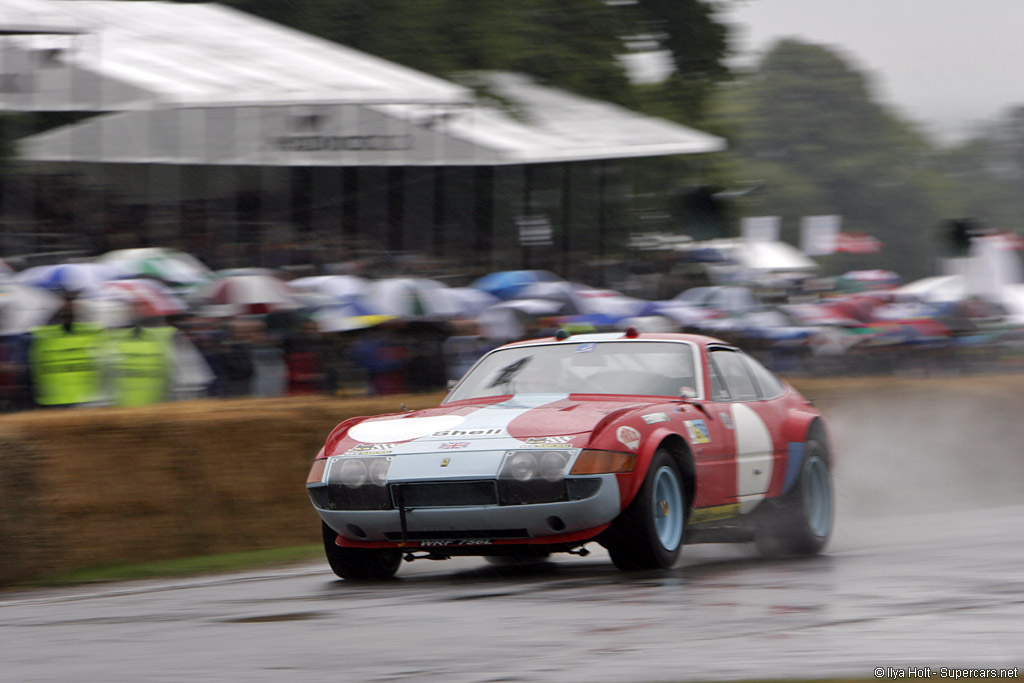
pixel 248 294
pixel 507 320
pixel 169 265
pixel 411 297
pixel 23 307
pixel 114 303
pixel 341 287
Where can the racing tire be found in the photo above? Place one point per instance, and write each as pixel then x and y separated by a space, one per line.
pixel 801 521
pixel 359 564
pixel 649 533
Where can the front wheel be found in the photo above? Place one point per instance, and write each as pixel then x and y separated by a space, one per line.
pixel 801 522
pixel 649 533
pixel 359 564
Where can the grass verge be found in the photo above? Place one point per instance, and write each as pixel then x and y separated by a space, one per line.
pixel 186 566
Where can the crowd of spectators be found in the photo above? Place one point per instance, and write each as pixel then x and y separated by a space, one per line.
pixel 73 363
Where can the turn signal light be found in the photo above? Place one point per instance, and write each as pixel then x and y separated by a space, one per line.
pixel 603 462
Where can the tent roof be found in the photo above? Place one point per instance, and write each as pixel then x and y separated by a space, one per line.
pixel 205 84
pixel 146 53
pixel 31 17
pixel 552 126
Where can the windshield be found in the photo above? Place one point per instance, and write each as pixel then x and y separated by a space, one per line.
pixel 655 368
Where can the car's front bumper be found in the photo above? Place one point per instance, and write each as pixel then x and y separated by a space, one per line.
pixel 477 525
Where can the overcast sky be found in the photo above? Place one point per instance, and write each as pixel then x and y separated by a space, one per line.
pixel 947 64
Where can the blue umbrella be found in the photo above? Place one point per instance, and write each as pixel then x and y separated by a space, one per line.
pixel 509 284
pixel 69 277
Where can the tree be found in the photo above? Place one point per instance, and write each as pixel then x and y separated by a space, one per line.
pixel 808 125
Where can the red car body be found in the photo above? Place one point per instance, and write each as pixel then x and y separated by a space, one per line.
pixel 641 442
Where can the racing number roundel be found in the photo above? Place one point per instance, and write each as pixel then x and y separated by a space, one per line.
pixel 753 457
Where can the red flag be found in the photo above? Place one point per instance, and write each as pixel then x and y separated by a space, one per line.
pixel 857 243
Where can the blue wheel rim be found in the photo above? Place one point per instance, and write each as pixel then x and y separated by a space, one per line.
pixel 818 502
pixel 668 508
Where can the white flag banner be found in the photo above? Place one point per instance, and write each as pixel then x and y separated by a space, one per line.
pixel 819 234
pixel 760 228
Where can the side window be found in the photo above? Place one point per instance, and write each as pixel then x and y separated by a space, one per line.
pixel 769 384
pixel 738 381
pixel 718 390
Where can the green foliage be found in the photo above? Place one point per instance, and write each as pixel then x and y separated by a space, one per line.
pixel 574 44
pixel 806 124
pixel 988 170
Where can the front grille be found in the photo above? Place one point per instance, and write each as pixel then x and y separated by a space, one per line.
pixel 448 534
pixel 444 494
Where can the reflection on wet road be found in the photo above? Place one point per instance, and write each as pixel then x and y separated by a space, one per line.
pixel 915 590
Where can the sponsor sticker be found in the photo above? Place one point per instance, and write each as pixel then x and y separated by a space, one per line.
pixel 493 431
pixel 372 449
pixel 698 431
pixel 545 441
pixel 452 445
pixel 654 418
pixel 628 437
pixel 714 513
pixel 726 420
pixel 586 348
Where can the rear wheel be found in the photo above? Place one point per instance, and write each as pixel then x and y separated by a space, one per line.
pixel 649 533
pixel 801 522
pixel 359 564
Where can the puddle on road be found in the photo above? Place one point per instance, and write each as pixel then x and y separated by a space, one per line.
pixel 273 618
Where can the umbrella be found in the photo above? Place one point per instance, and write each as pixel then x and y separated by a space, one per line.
pixel 168 265
pixel 509 284
pixel 72 277
pixel 249 294
pixel 341 287
pixel 23 307
pixel 609 303
pixel 153 298
pixel 469 300
pixel 509 319
pixel 411 297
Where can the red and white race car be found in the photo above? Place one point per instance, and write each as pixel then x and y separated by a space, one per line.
pixel 640 442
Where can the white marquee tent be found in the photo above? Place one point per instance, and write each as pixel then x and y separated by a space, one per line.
pixel 206 84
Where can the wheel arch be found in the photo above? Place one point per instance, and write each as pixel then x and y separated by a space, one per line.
pixel 818 431
pixel 683 456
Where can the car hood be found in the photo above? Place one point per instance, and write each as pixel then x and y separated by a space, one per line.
pixel 528 420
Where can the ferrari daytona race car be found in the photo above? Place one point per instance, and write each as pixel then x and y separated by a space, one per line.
pixel 640 442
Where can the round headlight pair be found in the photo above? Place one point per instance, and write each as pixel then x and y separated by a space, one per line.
pixel 355 472
pixel 527 465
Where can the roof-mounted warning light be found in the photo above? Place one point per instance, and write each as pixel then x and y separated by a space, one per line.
pixel 631 333
pixel 562 334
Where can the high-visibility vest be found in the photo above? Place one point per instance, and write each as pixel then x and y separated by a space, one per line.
pixel 66 364
pixel 142 365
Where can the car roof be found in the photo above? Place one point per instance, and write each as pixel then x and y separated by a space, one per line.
pixel 625 336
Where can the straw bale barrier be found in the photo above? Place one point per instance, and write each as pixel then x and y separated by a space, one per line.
pixel 88 487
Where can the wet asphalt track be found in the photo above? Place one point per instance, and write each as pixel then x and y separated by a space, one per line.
pixel 933 590
pixel 926 569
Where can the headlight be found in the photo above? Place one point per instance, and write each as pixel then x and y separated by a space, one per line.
pixel 379 471
pixel 521 466
pixel 552 465
pixel 354 483
pixel 354 472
